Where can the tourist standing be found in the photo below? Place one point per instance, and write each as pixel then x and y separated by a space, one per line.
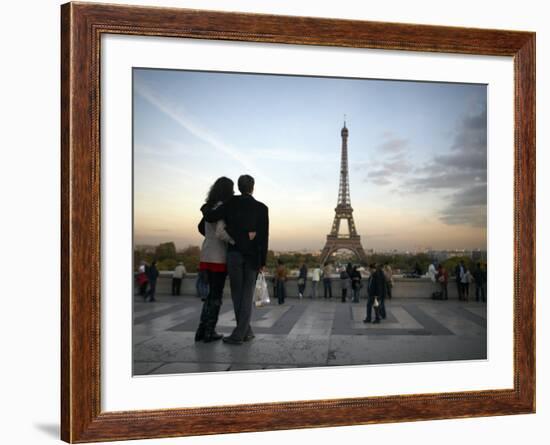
pixel 213 259
pixel 459 272
pixel 281 275
pixel 152 276
pixel 177 277
pixel 315 278
pixel 142 279
pixel 327 280
pixel 345 282
pixel 349 269
pixel 466 279
pixel 247 222
pixel 388 273
pixel 302 280
pixel 479 278
pixel 431 272
pixel 373 290
pixel 443 279
pixel 382 288
pixel 356 284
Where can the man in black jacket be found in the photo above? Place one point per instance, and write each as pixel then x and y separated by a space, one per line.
pixel 376 288
pixel 247 222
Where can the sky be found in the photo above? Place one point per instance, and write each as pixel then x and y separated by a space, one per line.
pixel 417 156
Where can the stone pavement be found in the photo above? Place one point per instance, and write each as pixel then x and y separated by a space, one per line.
pixel 307 333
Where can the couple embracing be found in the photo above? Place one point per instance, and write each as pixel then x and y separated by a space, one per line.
pixel 236 231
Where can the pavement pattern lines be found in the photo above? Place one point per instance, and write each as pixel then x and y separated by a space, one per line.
pixel 307 333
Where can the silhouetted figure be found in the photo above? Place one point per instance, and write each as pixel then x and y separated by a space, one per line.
pixel 356 284
pixel 374 286
pixel 281 274
pixel 152 276
pixel 213 260
pixel 345 283
pixel 388 273
pixel 243 216
pixel 302 280
pixel 480 280
pixel 327 280
pixel 443 279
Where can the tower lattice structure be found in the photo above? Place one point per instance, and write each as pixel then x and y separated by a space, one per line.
pixel 343 211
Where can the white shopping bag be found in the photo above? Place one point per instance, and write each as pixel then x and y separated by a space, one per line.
pixel 261 294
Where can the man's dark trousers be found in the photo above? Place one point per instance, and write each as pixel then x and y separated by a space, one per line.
pixel 242 281
pixel 382 308
pixel 327 282
pixel 176 286
pixel 370 307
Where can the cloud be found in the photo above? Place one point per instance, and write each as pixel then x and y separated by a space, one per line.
pixel 467 207
pixel 391 161
pixel 461 171
pixel 393 144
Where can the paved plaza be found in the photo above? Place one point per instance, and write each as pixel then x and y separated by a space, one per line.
pixel 307 333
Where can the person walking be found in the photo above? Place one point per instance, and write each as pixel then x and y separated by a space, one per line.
pixel 443 279
pixel 345 282
pixel 152 276
pixel 281 275
pixel 355 284
pixel 247 223
pixel 373 289
pixel 302 280
pixel 213 260
pixel 388 273
pixel 177 277
pixel 315 278
pixel 479 278
pixel 327 280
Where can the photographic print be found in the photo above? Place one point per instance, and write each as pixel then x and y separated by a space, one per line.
pixel 286 221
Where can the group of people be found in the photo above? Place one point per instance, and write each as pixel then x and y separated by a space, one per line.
pixel 349 277
pixel 464 278
pixel 147 278
pixel 379 285
pixel 236 231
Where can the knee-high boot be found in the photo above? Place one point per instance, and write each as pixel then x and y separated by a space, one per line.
pixel 212 314
pixel 199 335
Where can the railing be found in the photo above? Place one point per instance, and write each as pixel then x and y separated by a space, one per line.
pixel 402 287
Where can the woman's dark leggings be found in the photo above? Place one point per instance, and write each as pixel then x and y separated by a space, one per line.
pixel 212 304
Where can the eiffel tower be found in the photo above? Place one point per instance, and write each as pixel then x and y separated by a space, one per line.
pixel 351 240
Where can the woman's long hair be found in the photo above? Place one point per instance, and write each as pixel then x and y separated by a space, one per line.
pixel 221 190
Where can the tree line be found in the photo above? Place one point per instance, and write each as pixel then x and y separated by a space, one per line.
pixel 168 257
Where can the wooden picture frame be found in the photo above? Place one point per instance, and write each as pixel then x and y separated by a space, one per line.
pixel 82 25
